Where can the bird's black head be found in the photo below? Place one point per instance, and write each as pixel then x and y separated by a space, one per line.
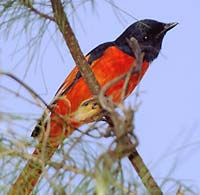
pixel 149 34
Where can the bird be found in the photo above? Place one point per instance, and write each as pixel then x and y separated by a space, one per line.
pixel 74 104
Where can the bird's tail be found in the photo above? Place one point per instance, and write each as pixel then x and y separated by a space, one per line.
pixel 49 142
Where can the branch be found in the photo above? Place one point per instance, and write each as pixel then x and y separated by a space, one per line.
pixel 24 181
pixel 134 156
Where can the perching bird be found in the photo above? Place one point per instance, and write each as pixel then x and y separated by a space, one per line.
pixel 72 106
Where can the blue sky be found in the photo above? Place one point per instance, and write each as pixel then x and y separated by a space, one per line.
pixel 168 120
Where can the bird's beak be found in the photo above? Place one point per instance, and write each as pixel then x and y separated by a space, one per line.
pixel 169 26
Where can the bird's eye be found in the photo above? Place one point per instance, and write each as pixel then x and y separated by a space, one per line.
pixel 146 37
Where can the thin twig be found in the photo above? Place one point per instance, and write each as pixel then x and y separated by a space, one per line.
pixel 31 91
pixel 29 5
pixel 17 94
pixel 136 66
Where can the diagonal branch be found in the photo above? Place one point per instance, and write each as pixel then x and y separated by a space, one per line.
pixel 71 41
